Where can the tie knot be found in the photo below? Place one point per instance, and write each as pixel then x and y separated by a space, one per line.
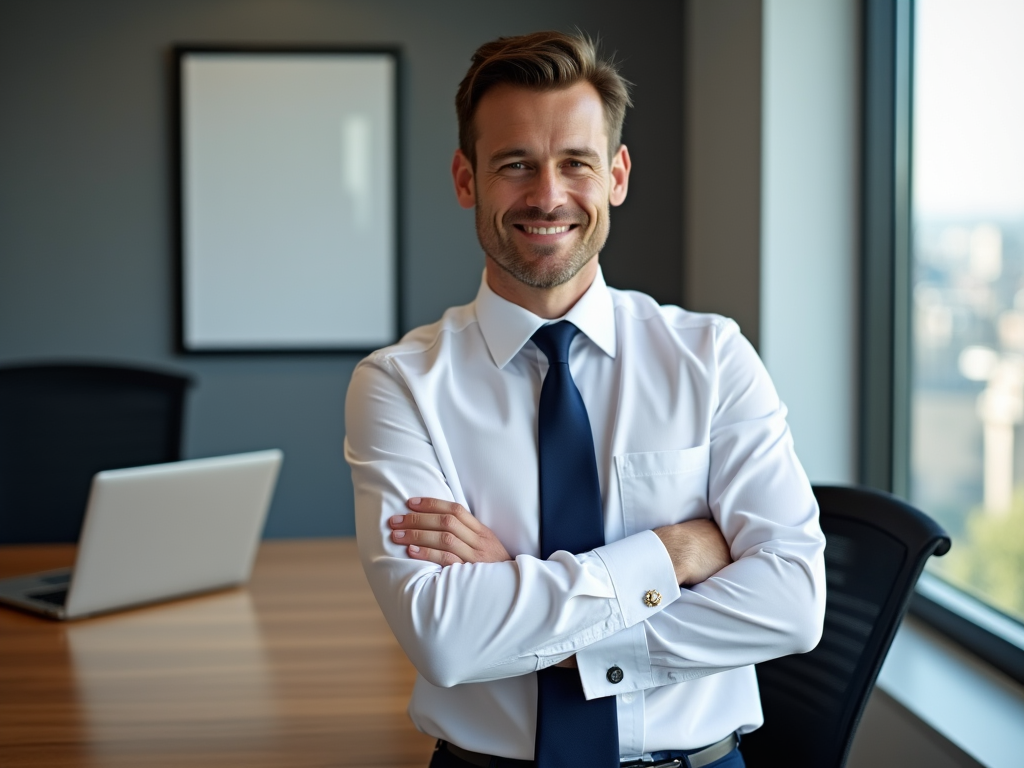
pixel 554 340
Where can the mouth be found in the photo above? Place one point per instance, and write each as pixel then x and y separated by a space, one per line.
pixel 545 231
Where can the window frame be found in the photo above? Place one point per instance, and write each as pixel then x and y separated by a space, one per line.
pixel 885 299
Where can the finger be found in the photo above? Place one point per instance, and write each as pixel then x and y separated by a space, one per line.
pixel 445 519
pixel 436 506
pixel 443 507
pixel 428 554
pixel 425 521
pixel 444 541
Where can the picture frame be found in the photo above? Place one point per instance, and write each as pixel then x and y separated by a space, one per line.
pixel 287 199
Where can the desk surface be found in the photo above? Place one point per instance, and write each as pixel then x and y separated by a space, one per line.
pixel 296 669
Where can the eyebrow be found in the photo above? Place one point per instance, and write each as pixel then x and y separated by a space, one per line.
pixel 516 152
pixel 583 154
pixel 507 154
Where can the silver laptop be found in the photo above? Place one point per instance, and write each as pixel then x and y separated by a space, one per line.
pixel 158 532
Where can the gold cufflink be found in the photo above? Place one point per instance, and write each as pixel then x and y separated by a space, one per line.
pixel 652 598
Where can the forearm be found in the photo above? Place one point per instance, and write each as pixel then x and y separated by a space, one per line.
pixel 764 605
pixel 482 621
pixel 761 607
pixel 473 622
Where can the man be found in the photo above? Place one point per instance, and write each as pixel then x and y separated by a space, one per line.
pixel 478 445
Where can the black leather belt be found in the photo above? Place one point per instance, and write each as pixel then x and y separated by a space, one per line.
pixel 485 761
pixel 684 758
pixel 673 759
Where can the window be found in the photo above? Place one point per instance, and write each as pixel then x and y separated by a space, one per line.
pixel 967 289
pixel 943 299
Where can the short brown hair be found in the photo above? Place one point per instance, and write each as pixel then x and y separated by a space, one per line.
pixel 543 61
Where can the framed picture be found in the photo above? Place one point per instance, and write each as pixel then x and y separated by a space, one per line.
pixel 288 199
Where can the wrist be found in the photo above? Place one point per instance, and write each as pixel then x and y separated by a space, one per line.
pixel 669 536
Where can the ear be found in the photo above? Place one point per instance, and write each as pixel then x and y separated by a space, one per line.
pixel 462 175
pixel 620 176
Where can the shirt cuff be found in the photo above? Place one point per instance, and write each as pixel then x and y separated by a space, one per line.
pixel 617 664
pixel 642 575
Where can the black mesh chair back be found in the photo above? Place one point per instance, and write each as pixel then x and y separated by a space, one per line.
pixel 876 547
pixel 61 424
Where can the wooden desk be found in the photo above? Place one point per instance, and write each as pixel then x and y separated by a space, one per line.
pixel 296 669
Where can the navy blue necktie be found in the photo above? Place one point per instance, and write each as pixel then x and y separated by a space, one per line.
pixel 571 731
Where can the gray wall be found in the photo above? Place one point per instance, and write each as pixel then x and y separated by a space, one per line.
pixel 722 174
pixel 86 230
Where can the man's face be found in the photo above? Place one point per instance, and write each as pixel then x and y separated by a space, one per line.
pixel 543 181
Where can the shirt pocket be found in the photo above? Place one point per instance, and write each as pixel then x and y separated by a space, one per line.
pixel 663 487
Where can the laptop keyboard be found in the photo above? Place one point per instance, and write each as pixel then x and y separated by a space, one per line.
pixel 57 597
pixel 60 578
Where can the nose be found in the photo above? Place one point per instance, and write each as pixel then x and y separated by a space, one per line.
pixel 547 192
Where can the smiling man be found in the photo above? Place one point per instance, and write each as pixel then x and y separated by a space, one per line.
pixel 542 191
pixel 580 512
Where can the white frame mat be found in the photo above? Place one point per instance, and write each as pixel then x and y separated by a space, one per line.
pixel 288 200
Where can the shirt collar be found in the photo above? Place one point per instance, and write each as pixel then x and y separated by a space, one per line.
pixel 507 327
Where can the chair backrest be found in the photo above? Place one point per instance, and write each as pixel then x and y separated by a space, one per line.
pixel 876 547
pixel 61 424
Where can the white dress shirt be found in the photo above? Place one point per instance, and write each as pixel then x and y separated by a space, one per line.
pixel 686 425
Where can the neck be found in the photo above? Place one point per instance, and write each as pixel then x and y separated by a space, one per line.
pixel 548 303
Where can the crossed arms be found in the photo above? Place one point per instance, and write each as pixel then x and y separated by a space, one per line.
pixel 488 615
pixel 445 533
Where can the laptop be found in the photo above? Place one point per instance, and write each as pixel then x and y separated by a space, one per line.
pixel 158 532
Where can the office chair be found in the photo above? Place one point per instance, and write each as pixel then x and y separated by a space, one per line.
pixel 876 547
pixel 60 424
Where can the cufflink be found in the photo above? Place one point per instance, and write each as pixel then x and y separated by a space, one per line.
pixel 615 675
pixel 652 598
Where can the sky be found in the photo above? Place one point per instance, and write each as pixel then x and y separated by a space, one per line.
pixel 969 108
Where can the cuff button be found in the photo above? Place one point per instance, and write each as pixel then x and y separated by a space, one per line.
pixel 652 598
pixel 615 675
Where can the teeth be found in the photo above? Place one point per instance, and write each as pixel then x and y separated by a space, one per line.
pixel 546 230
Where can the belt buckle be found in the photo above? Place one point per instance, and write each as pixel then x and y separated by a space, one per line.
pixel 673 762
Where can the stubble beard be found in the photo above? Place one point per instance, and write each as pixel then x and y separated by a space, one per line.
pixel 539 268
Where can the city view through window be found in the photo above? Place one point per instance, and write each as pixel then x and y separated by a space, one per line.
pixel 967 316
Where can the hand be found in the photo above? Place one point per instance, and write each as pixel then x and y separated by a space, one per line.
pixel 445 533
pixel 698 550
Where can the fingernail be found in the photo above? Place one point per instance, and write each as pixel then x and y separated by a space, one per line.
pixel 413 548
pixel 397 519
pixel 399 534
pixel 415 501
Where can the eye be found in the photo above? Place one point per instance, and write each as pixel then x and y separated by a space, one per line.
pixel 515 168
pixel 575 166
